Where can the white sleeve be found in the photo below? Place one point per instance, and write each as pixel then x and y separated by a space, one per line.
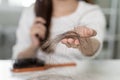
pixel 23 32
pixel 95 19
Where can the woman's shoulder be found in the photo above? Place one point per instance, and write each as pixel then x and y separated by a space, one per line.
pixel 27 16
pixel 87 6
pixel 29 9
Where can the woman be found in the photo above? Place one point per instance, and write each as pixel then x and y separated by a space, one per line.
pixel 48 18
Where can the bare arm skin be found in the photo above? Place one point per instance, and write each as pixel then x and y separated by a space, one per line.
pixel 28 53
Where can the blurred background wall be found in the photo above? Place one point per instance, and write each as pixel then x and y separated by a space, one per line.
pixel 10 11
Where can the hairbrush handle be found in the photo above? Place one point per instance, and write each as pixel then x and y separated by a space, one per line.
pixel 28 69
pixel 60 65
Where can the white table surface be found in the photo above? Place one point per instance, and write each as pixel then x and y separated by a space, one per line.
pixel 88 70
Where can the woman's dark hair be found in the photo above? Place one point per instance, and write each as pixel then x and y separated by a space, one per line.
pixel 44 9
pixel 88 1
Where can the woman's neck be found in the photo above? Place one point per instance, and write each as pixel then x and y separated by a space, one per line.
pixel 64 7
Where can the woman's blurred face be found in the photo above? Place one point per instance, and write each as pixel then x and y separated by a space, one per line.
pixel 66 1
pixel 60 0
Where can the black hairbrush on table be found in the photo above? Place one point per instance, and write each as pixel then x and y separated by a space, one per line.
pixel 34 64
pixel 29 64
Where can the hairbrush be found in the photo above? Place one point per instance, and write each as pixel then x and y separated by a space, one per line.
pixel 34 64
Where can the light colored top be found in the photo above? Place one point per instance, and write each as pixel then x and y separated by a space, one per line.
pixel 85 14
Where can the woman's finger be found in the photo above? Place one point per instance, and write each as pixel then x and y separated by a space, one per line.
pixel 40 20
pixel 40 30
pixel 94 33
pixel 41 27
pixel 85 31
pixel 37 31
pixel 70 41
pixel 64 41
pixel 89 32
pixel 77 42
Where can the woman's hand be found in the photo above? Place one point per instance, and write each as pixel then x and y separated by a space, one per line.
pixel 38 31
pixel 84 32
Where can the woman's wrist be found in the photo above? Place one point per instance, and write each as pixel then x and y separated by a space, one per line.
pixel 89 46
pixel 34 47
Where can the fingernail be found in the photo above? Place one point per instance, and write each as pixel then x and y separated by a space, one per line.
pixel 94 34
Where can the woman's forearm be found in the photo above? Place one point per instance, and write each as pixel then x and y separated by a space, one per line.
pixel 89 46
pixel 28 53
